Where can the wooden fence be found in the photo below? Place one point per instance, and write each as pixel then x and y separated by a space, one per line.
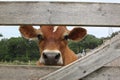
pixel 60 13
pixel 71 13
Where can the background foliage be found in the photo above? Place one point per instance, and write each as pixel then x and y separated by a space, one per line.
pixel 18 49
pixel 24 50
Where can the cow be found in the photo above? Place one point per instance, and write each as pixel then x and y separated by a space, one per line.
pixel 52 42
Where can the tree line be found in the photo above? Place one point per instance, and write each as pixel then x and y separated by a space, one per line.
pixel 18 49
pixel 24 50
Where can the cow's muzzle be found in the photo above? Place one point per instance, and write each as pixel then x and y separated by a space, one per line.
pixel 51 57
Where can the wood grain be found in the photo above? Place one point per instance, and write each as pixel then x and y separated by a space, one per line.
pixel 60 13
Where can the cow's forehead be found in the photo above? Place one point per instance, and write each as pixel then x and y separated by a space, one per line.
pixel 53 31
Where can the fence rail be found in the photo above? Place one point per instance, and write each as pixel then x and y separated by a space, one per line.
pixel 24 72
pixel 60 13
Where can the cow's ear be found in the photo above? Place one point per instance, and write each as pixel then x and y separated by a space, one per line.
pixel 77 34
pixel 28 31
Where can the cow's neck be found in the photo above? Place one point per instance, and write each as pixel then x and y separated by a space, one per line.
pixel 69 56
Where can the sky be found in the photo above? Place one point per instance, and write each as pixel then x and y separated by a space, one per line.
pixel 12 31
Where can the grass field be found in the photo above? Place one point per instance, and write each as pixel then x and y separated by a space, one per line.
pixel 16 62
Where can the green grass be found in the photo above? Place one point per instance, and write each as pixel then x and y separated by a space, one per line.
pixel 16 62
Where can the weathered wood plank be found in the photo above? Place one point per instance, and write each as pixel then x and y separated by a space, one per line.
pixel 84 66
pixel 104 73
pixel 24 72
pixel 115 62
pixel 60 13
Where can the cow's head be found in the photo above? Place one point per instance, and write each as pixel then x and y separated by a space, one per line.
pixel 52 41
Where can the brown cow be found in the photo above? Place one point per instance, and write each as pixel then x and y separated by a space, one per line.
pixel 53 43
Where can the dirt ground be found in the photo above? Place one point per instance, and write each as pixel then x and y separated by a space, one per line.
pixel 13 72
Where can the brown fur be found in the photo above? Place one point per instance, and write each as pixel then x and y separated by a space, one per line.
pixel 55 40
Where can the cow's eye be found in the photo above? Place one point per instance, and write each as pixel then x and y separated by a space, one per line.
pixel 66 37
pixel 40 37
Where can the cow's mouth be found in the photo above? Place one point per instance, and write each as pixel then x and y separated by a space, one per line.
pixel 52 63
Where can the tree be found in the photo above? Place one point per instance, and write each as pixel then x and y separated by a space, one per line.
pixel 111 36
pixel 1 35
pixel 89 42
pixel 18 49
pixel 3 50
pixel 114 33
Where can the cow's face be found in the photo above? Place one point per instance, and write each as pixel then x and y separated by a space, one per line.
pixel 52 41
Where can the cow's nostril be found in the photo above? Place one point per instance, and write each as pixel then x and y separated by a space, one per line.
pixel 51 57
pixel 57 56
pixel 45 56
